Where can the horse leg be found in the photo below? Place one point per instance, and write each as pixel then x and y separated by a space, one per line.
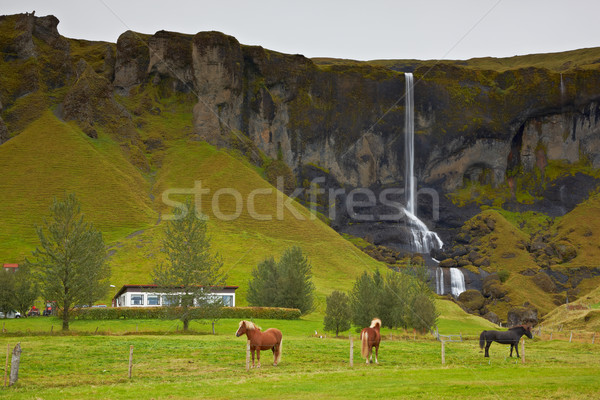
pixel 376 353
pixel 258 357
pixel 487 348
pixel 517 349
pixel 511 349
pixel 252 350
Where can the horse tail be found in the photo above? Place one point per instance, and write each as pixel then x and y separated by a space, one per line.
pixel 279 349
pixel 482 340
pixel 364 349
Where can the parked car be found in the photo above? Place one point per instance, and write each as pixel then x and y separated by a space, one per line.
pixel 10 314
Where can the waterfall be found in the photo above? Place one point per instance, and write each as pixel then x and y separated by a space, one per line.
pixel 457 281
pixel 422 239
pixel 439 280
pixel 409 144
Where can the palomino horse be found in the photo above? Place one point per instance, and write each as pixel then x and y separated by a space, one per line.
pixel 269 339
pixel 370 337
pixel 512 337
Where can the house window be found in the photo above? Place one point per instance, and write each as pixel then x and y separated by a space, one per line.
pixel 228 301
pixel 169 300
pixel 137 299
pixel 153 300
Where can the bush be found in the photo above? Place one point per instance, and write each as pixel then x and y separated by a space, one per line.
pixel 338 313
pixel 503 275
pixel 197 313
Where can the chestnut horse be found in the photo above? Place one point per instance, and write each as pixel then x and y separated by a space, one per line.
pixel 512 337
pixel 370 337
pixel 269 339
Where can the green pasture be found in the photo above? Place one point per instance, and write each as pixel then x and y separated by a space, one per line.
pixel 168 364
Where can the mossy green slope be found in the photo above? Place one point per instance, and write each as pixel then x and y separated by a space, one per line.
pixel 52 158
pixel 583 314
pixel 505 246
pixel 580 229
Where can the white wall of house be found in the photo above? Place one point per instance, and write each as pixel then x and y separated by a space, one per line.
pixel 141 298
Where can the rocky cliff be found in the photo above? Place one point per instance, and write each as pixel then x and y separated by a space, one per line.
pixel 493 123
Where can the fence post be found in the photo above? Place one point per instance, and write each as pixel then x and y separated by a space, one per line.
pixel 523 350
pixel 248 355
pixel 550 335
pixel 593 337
pixel 351 351
pixel 443 353
pixel 14 365
pixel 130 361
pixel 571 337
pixel 6 367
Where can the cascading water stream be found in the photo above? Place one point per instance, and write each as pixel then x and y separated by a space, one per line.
pixel 457 282
pixel 439 280
pixel 423 240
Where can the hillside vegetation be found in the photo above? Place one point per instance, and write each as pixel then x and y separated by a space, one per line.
pixel 564 61
pixel 51 158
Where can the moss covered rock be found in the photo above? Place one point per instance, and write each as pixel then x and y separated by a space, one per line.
pixel 472 300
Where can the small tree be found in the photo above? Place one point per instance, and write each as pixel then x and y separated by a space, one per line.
pixel 296 289
pixel 7 291
pixel 364 301
pixel 286 283
pixel 71 258
pixel 393 300
pixel 263 287
pixel 26 289
pixel 424 314
pixel 337 313
pixel 191 271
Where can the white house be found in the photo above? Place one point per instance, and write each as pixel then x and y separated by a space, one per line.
pixel 155 296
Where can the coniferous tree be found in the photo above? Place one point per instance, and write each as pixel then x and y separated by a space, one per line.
pixel 337 313
pixel 364 301
pixel 295 281
pixel 71 258
pixel 285 283
pixel 262 288
pixel 191 271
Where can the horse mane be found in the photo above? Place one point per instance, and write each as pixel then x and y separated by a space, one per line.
pixel 519 326
pixel 376 321
pixel 249 325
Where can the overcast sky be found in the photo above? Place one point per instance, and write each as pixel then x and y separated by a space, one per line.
pixel 361 30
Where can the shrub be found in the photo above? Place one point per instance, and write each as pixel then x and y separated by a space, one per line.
pixel 197 313
pixel 503 275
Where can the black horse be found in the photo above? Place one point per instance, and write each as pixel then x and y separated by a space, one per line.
pixel 512 337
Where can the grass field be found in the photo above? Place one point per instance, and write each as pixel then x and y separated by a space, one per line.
pixel 201 365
